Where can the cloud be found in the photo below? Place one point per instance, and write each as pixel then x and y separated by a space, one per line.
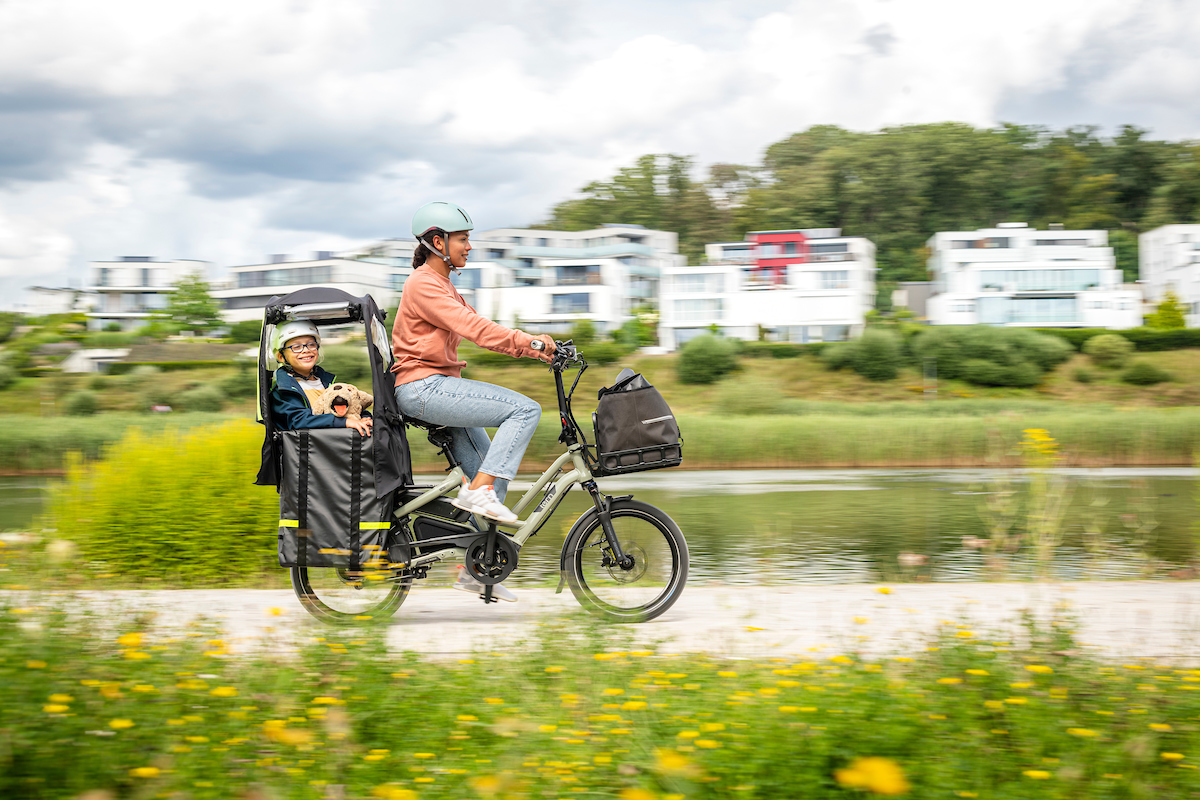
pixel 227 130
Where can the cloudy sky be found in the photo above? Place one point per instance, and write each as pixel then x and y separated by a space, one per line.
pixel 230 129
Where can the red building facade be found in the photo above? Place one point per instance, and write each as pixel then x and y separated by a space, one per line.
pixel 773 251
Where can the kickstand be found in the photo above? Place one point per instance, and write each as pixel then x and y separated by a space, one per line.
pixel 487 594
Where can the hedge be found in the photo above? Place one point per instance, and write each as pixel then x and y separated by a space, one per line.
pixel 1146 340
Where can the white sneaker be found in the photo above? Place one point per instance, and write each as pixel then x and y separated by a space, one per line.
pixel 483 501
pixel 466 583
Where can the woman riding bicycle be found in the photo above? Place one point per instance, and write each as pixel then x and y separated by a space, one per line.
pixel 431 321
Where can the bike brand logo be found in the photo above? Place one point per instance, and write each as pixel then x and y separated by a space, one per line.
pixel 546 499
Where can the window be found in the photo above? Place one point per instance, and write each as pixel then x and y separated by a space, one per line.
pixel 1061 242
pixel 768 250
pixel 155 302
pixel 583 275
pixel 835 279
pixel 981 244
pixel 495 253
pixel 698 310
pixel 701 282
pixel 1039 280
pixel 789 248
pixel 467 280
pixel 963 308
pixel 828 247
pixel 576 303
pixel 835 333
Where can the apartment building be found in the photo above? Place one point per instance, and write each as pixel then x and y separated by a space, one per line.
pixel 809 285
pixel 1169 258
pixel 539 280
pixel 1019 276
pixel 133 289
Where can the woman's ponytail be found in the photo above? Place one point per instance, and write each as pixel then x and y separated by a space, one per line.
pixel 420 254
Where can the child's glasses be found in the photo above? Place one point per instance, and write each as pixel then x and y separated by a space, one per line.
pixel 300 348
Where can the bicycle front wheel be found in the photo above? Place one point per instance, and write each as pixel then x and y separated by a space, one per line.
pixel 343 597
pixel 637 592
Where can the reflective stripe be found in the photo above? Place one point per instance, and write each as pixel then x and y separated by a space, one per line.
pixel 374 526
pixel 333 551
pixel 289 523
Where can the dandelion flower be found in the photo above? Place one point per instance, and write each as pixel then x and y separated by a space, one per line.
pixel 1082 732
pixel 129 639
pixel 672 762
pixel 144 772
pixel 224 691
pixel 978 672
pixel 688 734
pixel 949 681
pixel 55 708
pixel 494 701
pixel 1171 756
pixel 1040 669
pixel 614 691
pixel 875 774
pixel 707 744
pixel 727 673
pixel 1036 774
pixel 1160 726
pixel 61 698
pixel 633 793
pixel 553 669
pixel 120 724
pixel 884 590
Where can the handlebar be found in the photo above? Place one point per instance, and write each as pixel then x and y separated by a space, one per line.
pixel 565 355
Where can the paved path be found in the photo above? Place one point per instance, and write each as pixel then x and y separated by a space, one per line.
pixel 1124 619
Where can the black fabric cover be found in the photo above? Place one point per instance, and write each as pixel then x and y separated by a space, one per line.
pixel 635 429
pixel 393 460
pixel 331 513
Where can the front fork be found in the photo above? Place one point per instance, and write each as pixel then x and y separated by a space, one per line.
pixel 618 557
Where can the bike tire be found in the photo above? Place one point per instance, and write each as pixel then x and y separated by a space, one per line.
pixel 332 596
pixel 660 563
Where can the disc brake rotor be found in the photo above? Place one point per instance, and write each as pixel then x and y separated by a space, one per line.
pixel 504 560
pixel 632 574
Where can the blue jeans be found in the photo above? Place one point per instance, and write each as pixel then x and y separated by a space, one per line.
pixel 466 407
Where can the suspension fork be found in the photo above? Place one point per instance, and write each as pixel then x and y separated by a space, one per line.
pixel 603 509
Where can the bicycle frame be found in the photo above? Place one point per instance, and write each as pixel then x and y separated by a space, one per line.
pixel 578 473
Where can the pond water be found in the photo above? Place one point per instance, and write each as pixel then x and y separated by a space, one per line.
pixel 844 526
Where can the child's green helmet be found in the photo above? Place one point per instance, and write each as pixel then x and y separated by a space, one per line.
pixel 440 216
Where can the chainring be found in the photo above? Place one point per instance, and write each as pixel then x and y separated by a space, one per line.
pixel 504 561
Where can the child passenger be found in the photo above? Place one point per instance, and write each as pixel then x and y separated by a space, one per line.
pixel 299 381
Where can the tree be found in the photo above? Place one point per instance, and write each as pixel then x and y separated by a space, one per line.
pixel 1169 314
pixel 192 307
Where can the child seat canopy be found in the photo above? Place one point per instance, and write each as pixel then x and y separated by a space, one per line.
pixel 325 305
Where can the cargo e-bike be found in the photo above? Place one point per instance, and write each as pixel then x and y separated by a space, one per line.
pixel 623 559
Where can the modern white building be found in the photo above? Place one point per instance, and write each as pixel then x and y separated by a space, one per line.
pixel 1018 276
pixel 134 289
pixel 811 285
pixel 1169 258
pixel 539 280
pixel 247 289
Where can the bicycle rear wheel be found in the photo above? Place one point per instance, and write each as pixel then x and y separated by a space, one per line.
pixel 655 580
pixel 342 597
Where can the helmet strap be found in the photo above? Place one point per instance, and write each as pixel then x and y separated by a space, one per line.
pixel 443 256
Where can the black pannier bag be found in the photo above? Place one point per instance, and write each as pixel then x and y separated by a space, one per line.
pixel 635 429
pixel 330 514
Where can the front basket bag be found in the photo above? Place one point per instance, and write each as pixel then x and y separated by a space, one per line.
pixel 635 429
pixel 329 512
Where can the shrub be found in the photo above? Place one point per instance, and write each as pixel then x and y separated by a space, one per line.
pixel 877 355
pixel 173 505
pixel 109 339
pixel 80 404
pixel 112 327
pixel 8 375
pixel 242 383
pixel 248 331
pixel 1143 373
pixel 583 333
pixel 605 352
pixel 955 347
pixel 349 363
pixel 1082 375
pixel 1109 350
pixel 705 359
pixel 203 398
pixel 838 355
pixel 749 397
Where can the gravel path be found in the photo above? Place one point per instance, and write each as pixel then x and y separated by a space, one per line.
pixel 1126 619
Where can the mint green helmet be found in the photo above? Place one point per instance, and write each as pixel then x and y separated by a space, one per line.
pixel 440 216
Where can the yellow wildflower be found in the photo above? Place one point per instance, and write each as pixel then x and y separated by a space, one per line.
pixel 1040 669
pixel 120 724
pixel 1160 726
pixel 224 691
pixel 613 691
pixel 55 708
pixel 61 698
pixel 144 772
pixel 949 681
pixel 875 774
pixel 1082 732
pixel 884 590
pixel 727 673
pixel 978 672
pixel 1036 774
pixel 634 793
pixel 1171 756
pixel 129 639
pixel 671 762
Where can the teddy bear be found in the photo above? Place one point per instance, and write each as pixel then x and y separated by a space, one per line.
pixel 344 400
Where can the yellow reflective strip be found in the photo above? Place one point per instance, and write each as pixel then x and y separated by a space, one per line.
pixel 333 551
pixel 374 526
pixel 289 523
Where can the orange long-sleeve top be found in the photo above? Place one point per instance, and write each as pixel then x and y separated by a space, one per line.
pixel 433 318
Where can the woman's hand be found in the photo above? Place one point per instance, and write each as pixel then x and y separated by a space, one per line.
pixel 548 353
pixel 363 425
